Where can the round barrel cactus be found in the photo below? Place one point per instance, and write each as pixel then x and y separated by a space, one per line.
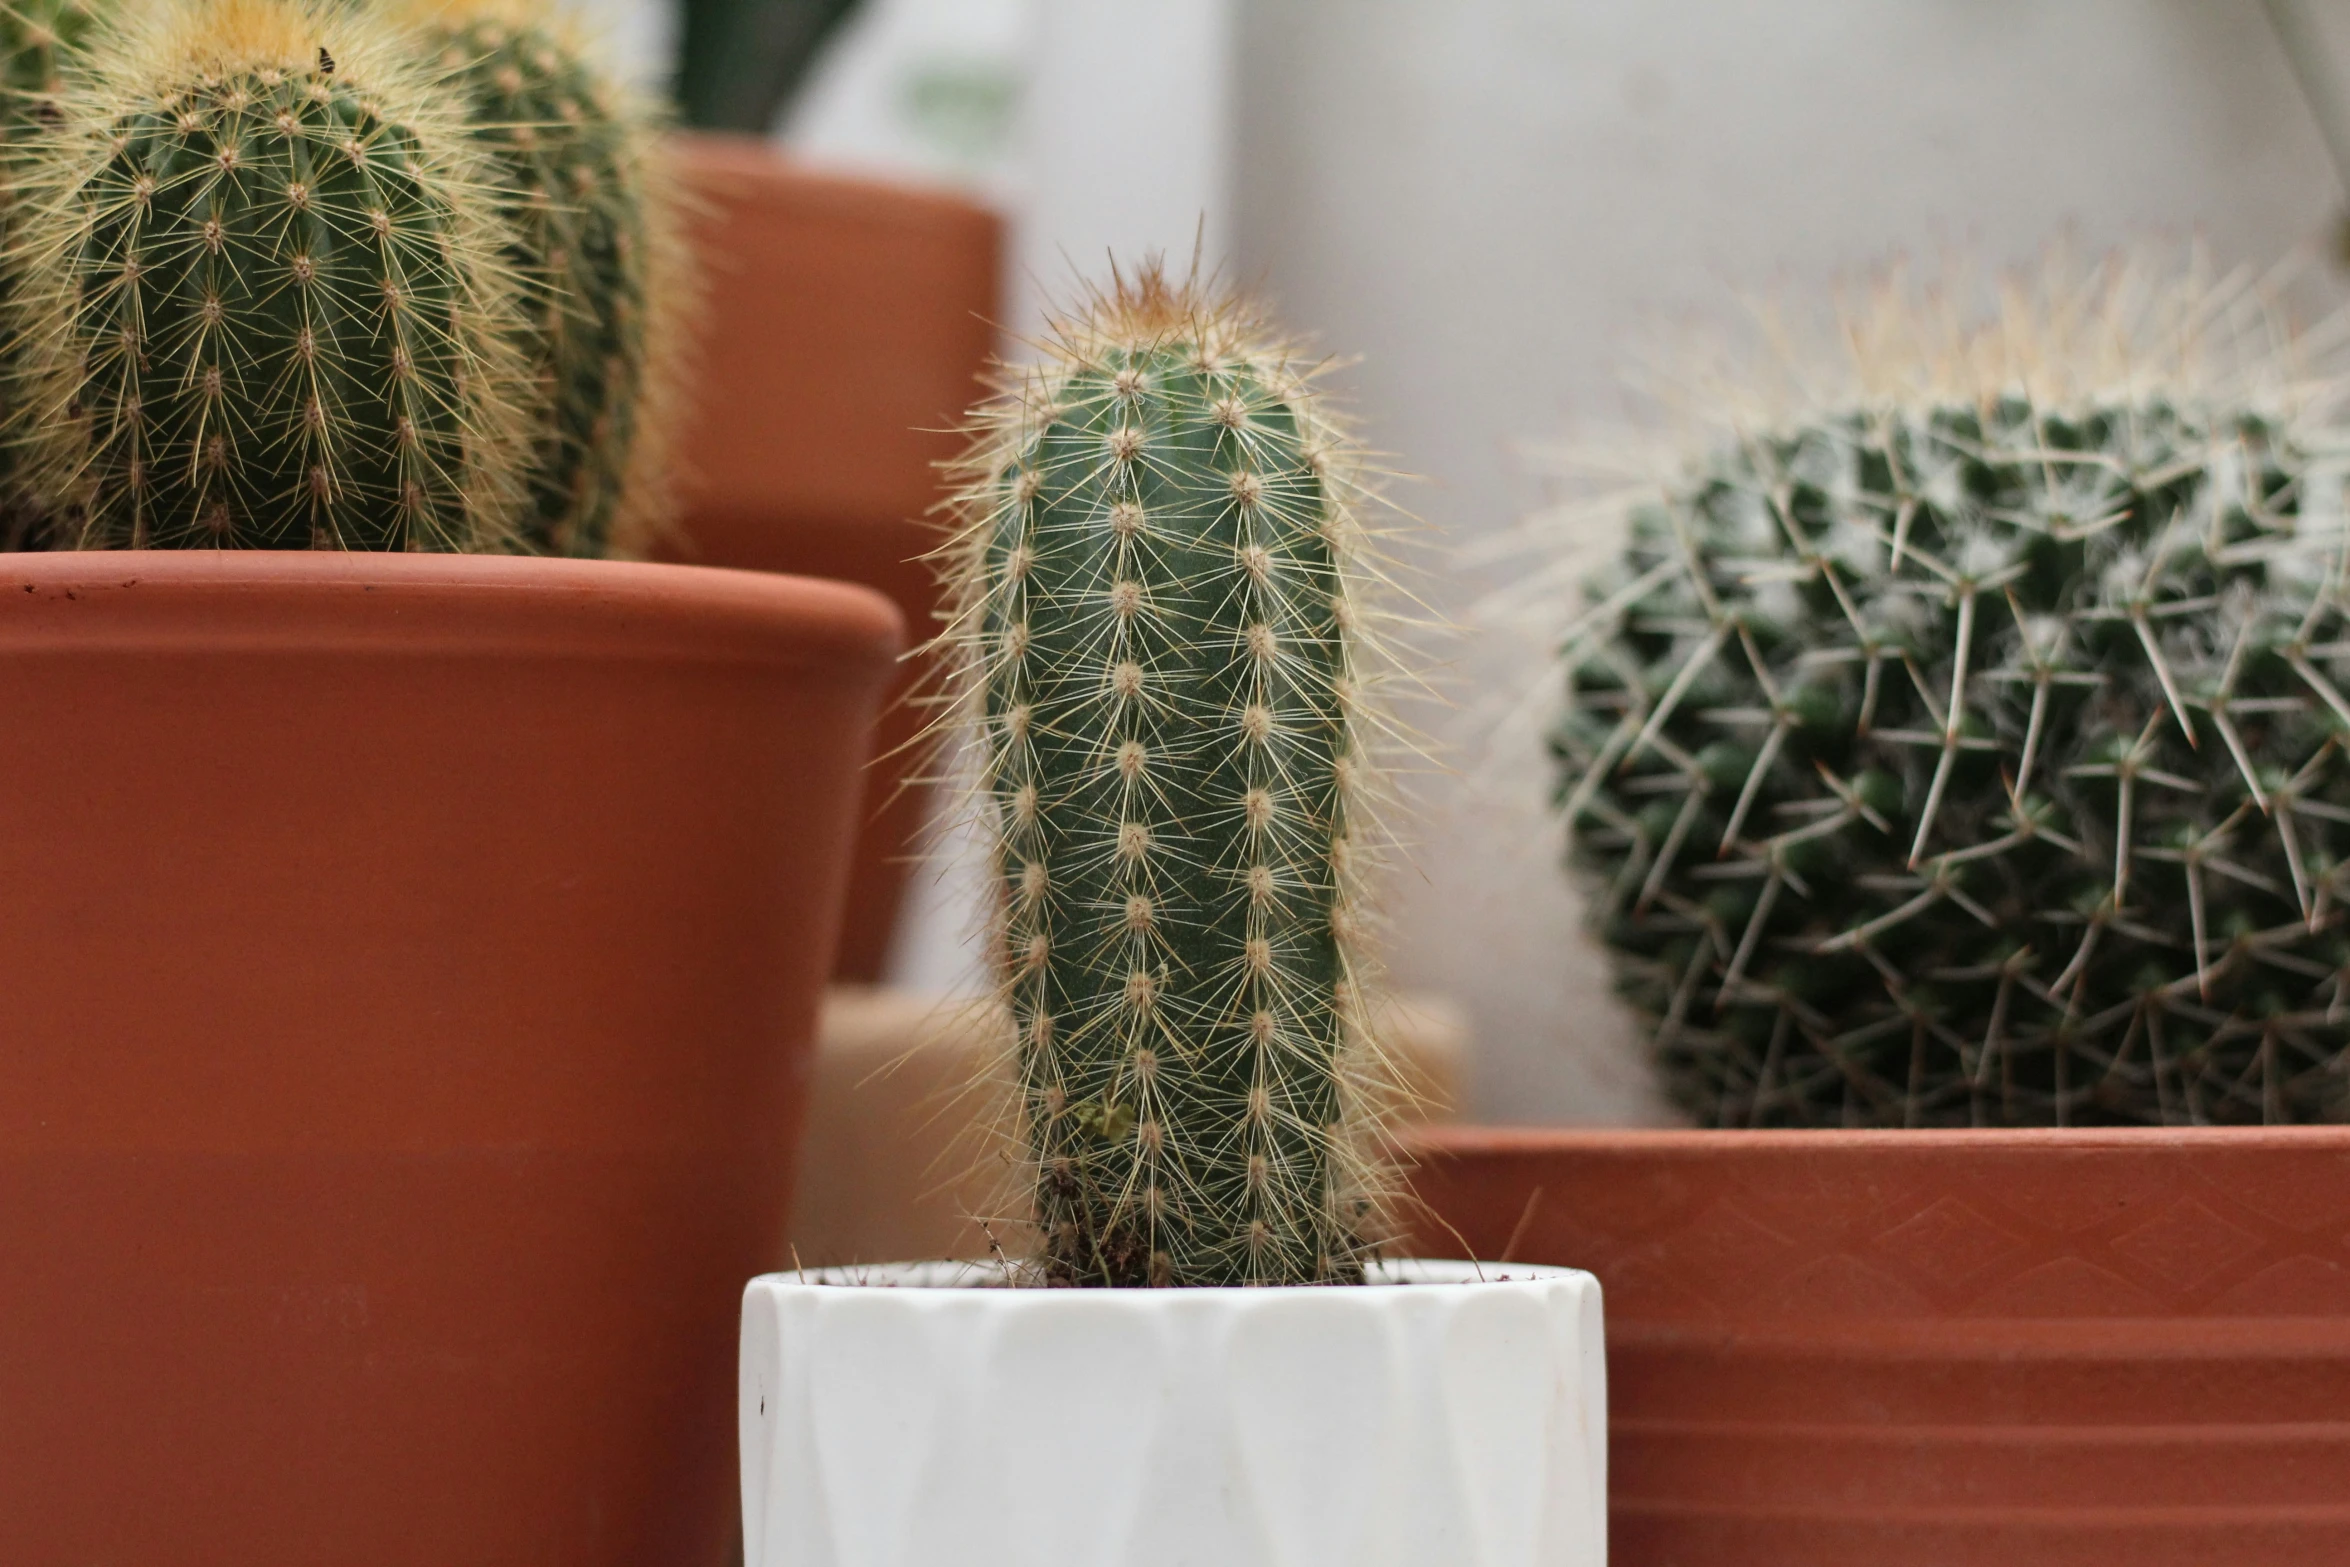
pixel 1973 753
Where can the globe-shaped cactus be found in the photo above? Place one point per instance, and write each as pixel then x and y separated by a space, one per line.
pixel 1968 747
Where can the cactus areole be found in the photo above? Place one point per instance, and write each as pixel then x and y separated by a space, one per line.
pixel 1977 756
pixel 1158 571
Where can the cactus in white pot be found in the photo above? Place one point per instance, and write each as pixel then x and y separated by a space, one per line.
pixel 1161 581
pixel 1164 600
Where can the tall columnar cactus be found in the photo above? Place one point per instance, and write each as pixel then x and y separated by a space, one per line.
pixel 1160 570
pixel 266 304
pixel 596 240
pixel 1971 749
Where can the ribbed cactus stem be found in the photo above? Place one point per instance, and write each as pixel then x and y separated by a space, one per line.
pixel 1159 603
pixel 594 237
pixel 266 305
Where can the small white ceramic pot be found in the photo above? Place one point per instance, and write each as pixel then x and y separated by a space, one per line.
pixel 910 1416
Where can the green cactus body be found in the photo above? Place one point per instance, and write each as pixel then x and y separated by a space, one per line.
pixel 37 39
pixel 574 156
pixel 1159 592
pixel 273 315
pixel 1960 762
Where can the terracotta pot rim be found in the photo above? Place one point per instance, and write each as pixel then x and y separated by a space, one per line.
pixel 1684 1142
pixel 358 598
pixel 742 160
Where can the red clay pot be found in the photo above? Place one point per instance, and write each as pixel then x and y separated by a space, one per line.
pixel 407 968
pixel 847 324
pixel 1848 1349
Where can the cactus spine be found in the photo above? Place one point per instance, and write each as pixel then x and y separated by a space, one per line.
pixel 1159 571
pixel 596 241
pixel 37 39
pixel 266 304
pixel 1971 749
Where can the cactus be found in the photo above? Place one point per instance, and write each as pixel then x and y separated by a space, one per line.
pixel 1968 747
pixel 37 39
pixel 1158 576
pixel 597 241
pixel 264 299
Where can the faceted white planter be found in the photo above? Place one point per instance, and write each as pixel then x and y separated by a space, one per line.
pixel 909 1416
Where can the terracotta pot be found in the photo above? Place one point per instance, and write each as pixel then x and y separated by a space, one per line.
pixel 1830 1349
pixel 847 323
pixel 409 965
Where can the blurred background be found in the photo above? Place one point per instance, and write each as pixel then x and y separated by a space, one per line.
pixel 1490 207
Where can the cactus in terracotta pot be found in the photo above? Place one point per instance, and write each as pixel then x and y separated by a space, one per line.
pixel 595 238
pixel 1162 627
pixel 1969 746
pixel 264 297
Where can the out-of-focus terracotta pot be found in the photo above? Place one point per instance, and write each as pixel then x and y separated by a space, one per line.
pixel 847 322
pixel 1843 1349
pixel 407 968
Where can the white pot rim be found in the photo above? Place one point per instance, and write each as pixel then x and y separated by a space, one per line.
pixel 1413 1273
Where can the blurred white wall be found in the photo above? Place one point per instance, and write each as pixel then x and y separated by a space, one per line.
pixel 639 37
pixel 1101 127
pixel 1126 137
pixel 928 90
pixel 1491 201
